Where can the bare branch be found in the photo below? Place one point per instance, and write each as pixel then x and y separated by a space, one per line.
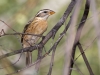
pixel 4 34
pixel 85 59
pixel 52 61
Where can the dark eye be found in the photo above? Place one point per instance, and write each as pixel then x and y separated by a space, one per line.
pixel 45 11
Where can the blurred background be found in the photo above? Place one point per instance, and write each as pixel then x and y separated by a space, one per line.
pixel 16 13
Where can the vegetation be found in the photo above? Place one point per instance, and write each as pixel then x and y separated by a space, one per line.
pixel 14 15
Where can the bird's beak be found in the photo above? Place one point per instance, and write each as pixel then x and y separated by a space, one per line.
pixel 52 12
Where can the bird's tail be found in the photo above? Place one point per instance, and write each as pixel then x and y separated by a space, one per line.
pixel 28 58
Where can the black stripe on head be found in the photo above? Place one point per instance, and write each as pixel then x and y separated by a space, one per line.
pixel 42 11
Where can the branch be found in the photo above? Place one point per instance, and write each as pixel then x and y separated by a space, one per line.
pixel 39 56
pixel 19 51
pixel 78 33
pixel 2 33
pixel 52 60
pixel 85 59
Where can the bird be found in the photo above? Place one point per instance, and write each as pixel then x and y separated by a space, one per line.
pixel 37 26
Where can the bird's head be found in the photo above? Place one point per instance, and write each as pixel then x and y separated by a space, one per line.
pixel 45 13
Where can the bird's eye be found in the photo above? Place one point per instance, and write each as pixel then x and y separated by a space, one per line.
pixel 45 11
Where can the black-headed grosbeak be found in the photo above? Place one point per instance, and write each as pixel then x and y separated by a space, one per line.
pixel 37 26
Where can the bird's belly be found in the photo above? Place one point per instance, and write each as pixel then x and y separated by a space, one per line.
pixel 33 39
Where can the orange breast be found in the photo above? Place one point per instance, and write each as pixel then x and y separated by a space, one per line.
pixel 38 26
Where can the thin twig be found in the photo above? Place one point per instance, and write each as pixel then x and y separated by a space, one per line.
pixel 51 63
pixel 37 66
pixel 77 68
pixel 85 48
pixel 52 60
pixel 8 25
pixel 17 33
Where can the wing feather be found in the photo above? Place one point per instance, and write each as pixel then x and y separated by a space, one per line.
pixel 25 28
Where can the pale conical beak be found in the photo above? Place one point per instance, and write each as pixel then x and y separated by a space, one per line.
pixel 52 12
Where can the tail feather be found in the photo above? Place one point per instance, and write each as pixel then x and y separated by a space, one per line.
pixel 28 58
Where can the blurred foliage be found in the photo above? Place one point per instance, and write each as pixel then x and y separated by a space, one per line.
pixel 17 13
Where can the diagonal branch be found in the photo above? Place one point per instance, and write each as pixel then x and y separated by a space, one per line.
pixel 85 59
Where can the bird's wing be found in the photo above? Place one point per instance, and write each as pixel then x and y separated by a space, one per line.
pixel 25 28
